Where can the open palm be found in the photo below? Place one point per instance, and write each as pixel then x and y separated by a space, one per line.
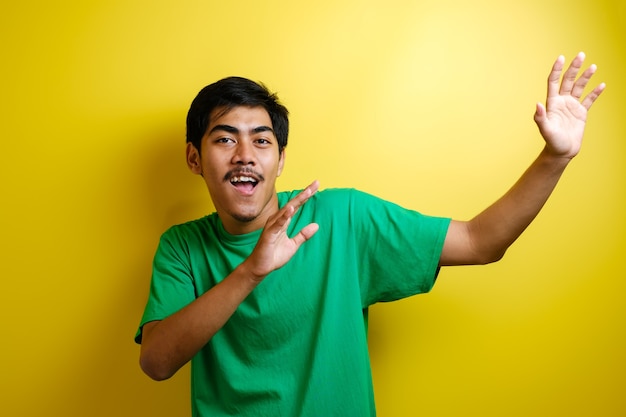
pixel 562 120
pixel 275 248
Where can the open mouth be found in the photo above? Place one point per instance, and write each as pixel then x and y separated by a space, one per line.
pixel 244 183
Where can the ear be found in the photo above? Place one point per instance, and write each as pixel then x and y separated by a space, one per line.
pixel 193 159
pixel 281 163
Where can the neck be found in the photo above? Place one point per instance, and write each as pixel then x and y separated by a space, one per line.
pixel 239 224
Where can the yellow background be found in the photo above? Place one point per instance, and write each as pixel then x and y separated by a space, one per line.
pixel 425 103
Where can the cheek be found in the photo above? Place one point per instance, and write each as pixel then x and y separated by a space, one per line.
pixel 214 164
pixel 211 173
pixel 273 164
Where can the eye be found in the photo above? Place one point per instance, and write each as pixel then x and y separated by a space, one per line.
pixel 224 140
pixel 263 141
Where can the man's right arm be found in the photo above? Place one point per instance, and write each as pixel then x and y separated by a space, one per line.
pixel 170 343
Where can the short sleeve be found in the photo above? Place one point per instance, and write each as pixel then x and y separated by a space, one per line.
pixel 399 248
pixel 172 286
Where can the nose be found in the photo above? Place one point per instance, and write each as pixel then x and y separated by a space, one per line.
pixel 244 154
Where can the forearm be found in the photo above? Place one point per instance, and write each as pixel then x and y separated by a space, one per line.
pixel 168 344
pixel 497 227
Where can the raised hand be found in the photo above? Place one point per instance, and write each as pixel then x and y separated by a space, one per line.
pixel 562 120
pixel 275 248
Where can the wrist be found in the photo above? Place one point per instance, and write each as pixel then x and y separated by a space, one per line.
pixel 556 160
pixel 250 273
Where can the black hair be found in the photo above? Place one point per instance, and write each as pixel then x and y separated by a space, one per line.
pixel 229 93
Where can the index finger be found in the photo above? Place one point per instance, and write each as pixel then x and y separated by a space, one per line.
pixel 555 76
pixel 281 219
pixel 303 196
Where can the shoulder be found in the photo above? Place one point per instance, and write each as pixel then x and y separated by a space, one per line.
pixel 341 205
pixel 328 196
pixel 191 231
pixel 351 198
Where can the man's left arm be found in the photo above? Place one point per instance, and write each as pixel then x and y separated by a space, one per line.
pixel 561 121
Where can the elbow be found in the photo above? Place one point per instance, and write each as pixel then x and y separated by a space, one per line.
pixel 153 367
pixel 154 359
pixel 490 257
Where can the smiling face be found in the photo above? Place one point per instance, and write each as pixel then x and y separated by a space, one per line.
pixel 239 162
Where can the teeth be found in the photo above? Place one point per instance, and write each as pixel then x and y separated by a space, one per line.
pixel 242 179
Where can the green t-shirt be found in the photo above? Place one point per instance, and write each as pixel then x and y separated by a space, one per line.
pixel 297 346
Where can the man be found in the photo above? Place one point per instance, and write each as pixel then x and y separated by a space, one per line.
pixel 268 296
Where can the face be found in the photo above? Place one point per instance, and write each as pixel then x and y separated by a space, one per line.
pixel 239 162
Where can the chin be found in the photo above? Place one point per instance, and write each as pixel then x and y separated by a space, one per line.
pixel 243 218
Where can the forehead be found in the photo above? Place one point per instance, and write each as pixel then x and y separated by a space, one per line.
pixel 240 116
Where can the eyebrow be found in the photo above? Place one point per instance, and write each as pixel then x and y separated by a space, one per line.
pixel 234 130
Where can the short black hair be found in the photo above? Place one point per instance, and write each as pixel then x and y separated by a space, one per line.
pixel 229 93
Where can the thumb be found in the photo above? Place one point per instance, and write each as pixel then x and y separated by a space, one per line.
pixel 305 234
pixel 540 114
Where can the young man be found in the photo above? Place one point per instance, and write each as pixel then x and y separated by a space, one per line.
pixel 268 296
